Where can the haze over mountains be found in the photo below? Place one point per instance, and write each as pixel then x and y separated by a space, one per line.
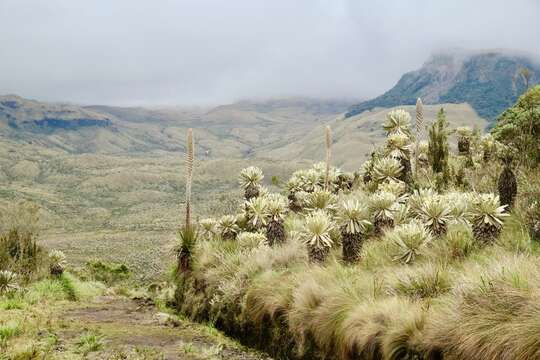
pixel 485 83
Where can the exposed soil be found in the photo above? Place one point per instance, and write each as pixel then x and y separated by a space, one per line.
pixel 135 330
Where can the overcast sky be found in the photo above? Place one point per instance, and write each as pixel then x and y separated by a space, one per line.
pixel 153 52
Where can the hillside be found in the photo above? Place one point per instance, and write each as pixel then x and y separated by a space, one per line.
pixel 488 81
pixel 234 130
pixel 355 137
pixel 17 112
pixel 101 185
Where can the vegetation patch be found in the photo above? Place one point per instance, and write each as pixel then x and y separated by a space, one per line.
pixel 420 255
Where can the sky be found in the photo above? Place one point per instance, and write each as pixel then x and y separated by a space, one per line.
pixel 201 52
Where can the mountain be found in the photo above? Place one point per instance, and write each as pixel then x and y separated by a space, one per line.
pixel 489 81
pixel 233 130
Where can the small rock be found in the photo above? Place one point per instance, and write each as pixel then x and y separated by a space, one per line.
pixel 165 319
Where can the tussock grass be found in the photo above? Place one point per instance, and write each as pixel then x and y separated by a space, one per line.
pixel 65 287
pixel 494 313
pixel 7 331
pixel 457 300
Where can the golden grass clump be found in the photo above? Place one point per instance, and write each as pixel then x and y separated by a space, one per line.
pixel 493 314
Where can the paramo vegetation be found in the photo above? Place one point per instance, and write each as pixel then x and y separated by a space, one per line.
pixel 424 253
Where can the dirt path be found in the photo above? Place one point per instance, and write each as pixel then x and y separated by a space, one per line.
pixel 130 330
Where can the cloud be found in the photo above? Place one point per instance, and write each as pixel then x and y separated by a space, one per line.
pixel 135 52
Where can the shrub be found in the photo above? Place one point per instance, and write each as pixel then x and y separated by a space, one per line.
pixel 108 273
pixel 438 144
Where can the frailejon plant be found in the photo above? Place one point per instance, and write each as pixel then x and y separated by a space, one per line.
pixel 435 215
pixel 397 188
pixel 251 240
pixel 275 228
pixel 257 212
pixel 227 227
pixel 464 134
pixel 188 233
pixel 459 204
pixel 208 228
pixel 301 181
pixel 423 154
pixel 250 180
pixel 316 235
pixel 398 122
pixel 507 184
pixel 409 240
pixel 488 218
pixel 418 198
pixel 387 169
pixel 344 182
pixel 367 170
pixel 57 262
pixel 382 206
pixel 8 282
pixel 353 220
pixel 398 146
pixel 321 200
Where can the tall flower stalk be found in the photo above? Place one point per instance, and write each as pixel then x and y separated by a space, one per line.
pixel 187 234
pixel 419 127
pixel 190 152
pixel 328 142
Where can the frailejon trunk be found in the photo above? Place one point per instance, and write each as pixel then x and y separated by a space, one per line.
pixel 463 146
pixel 184 261
pixel 293 203
pixel 229 235
pixel 56 270
pixel 318 254
pixel 351 246
pixel 406 172
pixel 275 232
pixel 439 230
pixel 486 233
pixel 252 191
pixel 507 187
pixel 381 224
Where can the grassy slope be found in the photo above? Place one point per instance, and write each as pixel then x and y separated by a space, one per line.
pixel 95 205
pixel 355 137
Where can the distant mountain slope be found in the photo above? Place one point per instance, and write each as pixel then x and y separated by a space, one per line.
pixel 16 111
pixel 488 81
pixel 234 130
pixel 354 138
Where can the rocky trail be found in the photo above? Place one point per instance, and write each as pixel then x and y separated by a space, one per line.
pixel 127 329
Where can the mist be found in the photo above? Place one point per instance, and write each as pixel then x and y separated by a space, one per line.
pixel 135 52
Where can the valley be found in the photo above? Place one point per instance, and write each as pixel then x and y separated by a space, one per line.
pixel 116 191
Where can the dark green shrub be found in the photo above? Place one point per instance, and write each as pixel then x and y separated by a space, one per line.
pixel 108 273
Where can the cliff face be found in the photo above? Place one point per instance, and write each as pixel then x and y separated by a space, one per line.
pixel 17 112
pixel 488 81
